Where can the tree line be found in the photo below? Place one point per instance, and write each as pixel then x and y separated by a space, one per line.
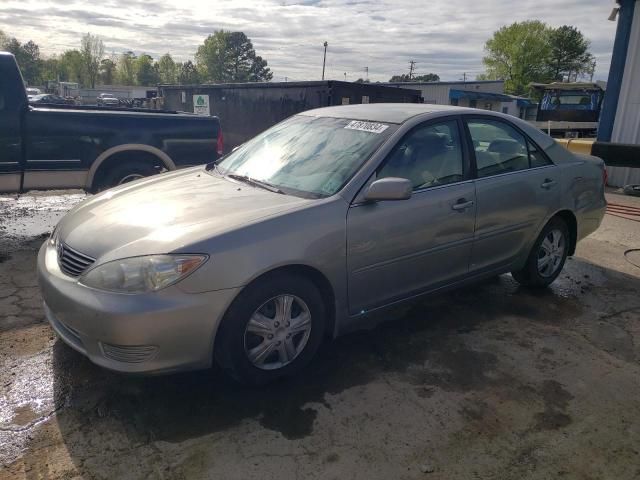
pixel 224 57
pixel 531 51
pixel 519 54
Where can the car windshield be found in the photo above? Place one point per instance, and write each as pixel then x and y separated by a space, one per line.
pixel 307 156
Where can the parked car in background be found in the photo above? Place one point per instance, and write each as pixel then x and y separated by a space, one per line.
pixel 44 146
pixel 107 99
pixel 303 231
pixel 50 99
pixel 32 91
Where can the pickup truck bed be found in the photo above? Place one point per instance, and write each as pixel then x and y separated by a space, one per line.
pixel 93 148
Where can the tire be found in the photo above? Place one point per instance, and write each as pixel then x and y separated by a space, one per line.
pixel 126 171
pixel 240 351
pixel 537 273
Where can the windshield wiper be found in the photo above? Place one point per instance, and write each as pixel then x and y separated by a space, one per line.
pixel 255 183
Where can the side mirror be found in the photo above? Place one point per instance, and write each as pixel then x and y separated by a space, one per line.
pixel 390 188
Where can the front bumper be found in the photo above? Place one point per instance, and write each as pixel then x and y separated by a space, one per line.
pixel 159 332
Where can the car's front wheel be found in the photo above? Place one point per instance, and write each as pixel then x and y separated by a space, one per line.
pixel 271 330
pixel 547 256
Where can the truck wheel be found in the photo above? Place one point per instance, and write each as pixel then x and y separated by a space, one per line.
pixel 126 172
pixel 271 330
pixel 547 256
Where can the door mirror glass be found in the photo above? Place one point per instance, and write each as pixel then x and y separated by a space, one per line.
pixel 390 188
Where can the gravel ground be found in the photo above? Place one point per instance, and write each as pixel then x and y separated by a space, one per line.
pixel 490 382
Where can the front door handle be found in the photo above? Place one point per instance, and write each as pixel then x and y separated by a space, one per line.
pixel 462 205
pixel 548 183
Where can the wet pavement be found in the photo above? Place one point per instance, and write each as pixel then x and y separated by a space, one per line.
pixel 490 382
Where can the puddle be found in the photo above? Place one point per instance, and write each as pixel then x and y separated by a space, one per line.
pixel 31 215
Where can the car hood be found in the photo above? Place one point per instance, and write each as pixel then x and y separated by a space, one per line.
pixel 167 213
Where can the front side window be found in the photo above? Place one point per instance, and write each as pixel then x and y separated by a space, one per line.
pixel 499 148
pixel 428 156
pixel 307 156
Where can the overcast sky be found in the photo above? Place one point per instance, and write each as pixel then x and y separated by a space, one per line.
pixel 443 36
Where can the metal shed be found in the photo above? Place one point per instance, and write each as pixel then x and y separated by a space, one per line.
pixel 620 118
pixel 246 109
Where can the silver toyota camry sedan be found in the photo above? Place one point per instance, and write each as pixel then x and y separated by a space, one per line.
pixel 302 232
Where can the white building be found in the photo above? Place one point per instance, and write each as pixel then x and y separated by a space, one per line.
pixel 483 94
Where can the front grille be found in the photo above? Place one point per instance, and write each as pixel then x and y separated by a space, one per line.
pixel 72 262
pixel 129 354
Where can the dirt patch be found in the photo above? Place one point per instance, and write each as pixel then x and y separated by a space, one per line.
pixel 556 401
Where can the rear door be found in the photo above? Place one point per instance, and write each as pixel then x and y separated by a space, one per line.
pixel 396 249
pixel 517 187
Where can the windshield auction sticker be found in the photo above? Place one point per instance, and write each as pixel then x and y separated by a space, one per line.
pixel 371 127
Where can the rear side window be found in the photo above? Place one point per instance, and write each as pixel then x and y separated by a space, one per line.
pixel 536 157
pixel 499 148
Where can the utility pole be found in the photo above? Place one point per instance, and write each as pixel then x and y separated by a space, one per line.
pixel 412 65
pixel 366 70
pixel 345 76
pixel 324 60
pixel 464 77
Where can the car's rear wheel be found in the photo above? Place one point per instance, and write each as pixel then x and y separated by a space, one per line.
pixel 547 257
pixel 271 330
pixel 126 172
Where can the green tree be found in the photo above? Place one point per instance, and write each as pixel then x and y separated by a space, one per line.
pixel 92 51
pixel 28 58
pixel 31 63
pixel 167 69
pixel 107 71
pixel 569 57
pixel 230 57
pixel 259 71
pixel 4 39
pixel 71 64
pixel 126 72
pixel 188 74
pixel 429 77
pixel 519 54
pixel 52 69
pixel 146 74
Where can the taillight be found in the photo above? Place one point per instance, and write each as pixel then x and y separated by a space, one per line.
pixel 220 145
pixel 605 176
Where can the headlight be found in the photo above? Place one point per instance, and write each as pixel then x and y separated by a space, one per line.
pixel 141 274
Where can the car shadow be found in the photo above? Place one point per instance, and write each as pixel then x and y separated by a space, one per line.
pixel 426 342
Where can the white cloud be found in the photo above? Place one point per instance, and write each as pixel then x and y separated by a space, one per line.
pixel 444 36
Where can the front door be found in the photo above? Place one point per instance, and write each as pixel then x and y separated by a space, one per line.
pixel 396 249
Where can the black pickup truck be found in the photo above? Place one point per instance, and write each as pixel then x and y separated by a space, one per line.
pixel 66 146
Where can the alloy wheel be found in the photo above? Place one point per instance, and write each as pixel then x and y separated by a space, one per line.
pixel 551 253
pixel 277 332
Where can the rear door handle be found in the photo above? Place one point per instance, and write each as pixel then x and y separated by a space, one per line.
pixel 462 204
pixel 548 183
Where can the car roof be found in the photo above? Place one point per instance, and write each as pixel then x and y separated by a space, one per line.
pixel 402 112
pixel 384 112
